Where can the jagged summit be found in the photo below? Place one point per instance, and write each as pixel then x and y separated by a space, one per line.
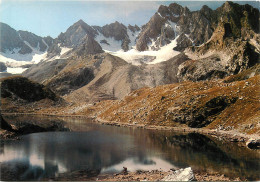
pixel 88 46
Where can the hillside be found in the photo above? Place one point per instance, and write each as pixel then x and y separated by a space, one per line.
pixel 218 104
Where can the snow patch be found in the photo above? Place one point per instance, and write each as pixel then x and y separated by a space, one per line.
pixel 114 45
pixel 174 27
pixel 43 41
pixel 149 57
pixel 132 36
pixel 18 70
pixel 159 14
pixel 64 50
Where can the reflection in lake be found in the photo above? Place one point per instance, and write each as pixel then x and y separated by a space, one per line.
pixel 108 148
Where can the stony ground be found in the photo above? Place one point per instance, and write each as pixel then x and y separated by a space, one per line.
pixel 154 175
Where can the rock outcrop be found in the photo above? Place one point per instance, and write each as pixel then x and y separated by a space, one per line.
pixel 18 87
pixel 185 174
pixel 2 67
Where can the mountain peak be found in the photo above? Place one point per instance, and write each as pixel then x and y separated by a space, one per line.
pixel 80 22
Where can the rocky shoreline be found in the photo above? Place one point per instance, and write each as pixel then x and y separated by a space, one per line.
pixel 153 175
pixel 231 136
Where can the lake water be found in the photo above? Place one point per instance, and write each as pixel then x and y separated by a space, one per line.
pixel 107 149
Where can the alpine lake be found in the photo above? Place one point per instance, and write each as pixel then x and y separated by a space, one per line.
pixel 107 149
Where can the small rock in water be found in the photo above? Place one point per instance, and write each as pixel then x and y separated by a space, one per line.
pixel 180 175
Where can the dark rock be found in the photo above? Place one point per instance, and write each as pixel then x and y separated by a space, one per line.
pixel 198 25
pixel 116 30
pixel 201 115
pixel 13 87
pixel 104 42
pixel 4 125
pixel 71 81
pixel 253 71
pixel 72 38
pixel 76 33
pixel 32 128
pixel 253 143
pixel 54 50
pixel 2 67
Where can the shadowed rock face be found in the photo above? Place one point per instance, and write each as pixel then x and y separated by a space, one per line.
pixel 10 39
pixel 2 67
pixel 4 125
pixel 33 40
pixel 75 34
pixel 116 30
pixel 88 46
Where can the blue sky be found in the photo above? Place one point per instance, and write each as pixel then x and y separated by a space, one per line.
pixel 51 17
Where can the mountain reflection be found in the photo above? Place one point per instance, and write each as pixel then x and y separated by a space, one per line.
pixel 107 149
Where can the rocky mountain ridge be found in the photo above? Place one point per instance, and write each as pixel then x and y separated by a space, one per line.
pixel 111 37
pixel 21 42
pixel 196 27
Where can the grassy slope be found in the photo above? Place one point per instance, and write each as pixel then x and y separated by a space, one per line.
pixel 157 106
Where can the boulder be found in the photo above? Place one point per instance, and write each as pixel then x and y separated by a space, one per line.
pixel 180 175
